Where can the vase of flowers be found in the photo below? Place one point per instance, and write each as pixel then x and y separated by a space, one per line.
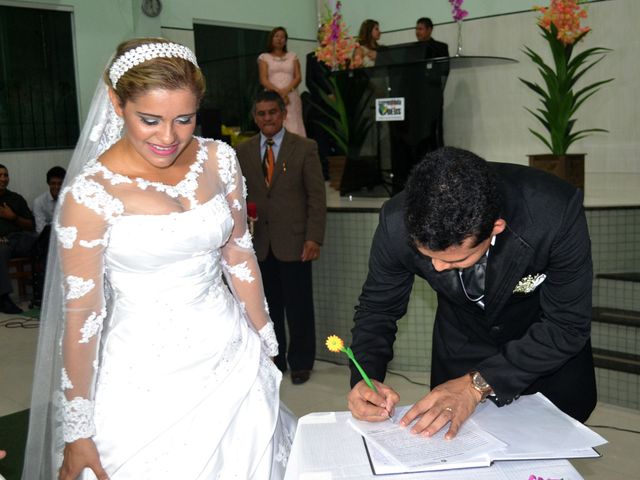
pixel 344 97
pixel 458 14
pixel 343 115
pixel 560 98
pixel 336 45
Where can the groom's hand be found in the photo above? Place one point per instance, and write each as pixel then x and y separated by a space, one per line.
pixel 365 404
pixel 453 401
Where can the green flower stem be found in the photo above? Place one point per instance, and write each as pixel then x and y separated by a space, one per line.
pixel 365 377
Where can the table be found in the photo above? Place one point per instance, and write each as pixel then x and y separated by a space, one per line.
pixel 327 448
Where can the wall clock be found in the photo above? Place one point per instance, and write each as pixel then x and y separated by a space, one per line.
pixel 151 8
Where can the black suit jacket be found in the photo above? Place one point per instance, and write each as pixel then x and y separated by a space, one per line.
pixel 434 48
pixel 521 342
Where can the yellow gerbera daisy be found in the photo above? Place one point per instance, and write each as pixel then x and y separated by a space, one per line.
pixel 334 343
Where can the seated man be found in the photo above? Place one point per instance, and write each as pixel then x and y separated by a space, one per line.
pixel 16 237
pixel 45 204
pixel 43 208
pixel 507 250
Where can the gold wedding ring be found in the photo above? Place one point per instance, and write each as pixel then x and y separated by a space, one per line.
pixel 448 409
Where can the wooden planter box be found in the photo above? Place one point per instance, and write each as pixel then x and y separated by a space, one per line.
pixel 569 167
pixel 336 169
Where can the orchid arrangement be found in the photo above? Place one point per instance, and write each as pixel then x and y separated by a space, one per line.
pixel 335 344
pixel 336 45
pixel 561 28
pixel 457 12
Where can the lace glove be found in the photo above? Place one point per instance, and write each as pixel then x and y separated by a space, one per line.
pixel 269 341
pixel 78 419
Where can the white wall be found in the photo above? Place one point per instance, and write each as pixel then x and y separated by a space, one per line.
pixel 484 107
pixel 100 25
pixel 402 14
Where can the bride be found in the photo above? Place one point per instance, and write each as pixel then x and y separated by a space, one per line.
pixel 150 366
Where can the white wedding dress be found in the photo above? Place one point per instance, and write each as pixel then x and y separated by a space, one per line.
pixel 163 365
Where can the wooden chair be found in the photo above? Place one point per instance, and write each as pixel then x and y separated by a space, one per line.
pixel 20 271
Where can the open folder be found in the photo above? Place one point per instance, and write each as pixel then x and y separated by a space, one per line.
pixel 530 428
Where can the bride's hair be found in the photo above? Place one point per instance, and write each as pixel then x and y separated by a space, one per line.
pixel 162 72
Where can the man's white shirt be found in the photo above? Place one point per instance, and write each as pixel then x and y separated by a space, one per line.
pixel 43 207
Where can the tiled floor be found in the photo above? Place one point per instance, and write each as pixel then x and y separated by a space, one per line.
pixel 326 391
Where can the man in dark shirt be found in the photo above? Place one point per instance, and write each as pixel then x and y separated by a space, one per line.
pixel 434 49
pixel 507 250
pixel 424 29
pixel 423 90
pixel 16 237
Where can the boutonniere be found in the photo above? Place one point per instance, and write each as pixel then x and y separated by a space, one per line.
pixel 529 283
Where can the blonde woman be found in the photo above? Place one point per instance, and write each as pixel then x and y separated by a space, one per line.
pixel 163 369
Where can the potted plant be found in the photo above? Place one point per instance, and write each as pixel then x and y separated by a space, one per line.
pixel 560 98
pixel 344 98
pixel 346 117
pixel 344 109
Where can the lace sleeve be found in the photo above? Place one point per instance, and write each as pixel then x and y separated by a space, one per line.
pixel 239 259
pixel 81 230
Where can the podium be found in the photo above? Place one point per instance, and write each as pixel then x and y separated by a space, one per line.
pixel 415 85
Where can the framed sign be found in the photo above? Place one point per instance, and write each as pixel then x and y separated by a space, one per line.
pixel 389 109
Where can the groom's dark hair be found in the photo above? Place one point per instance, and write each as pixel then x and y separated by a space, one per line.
pixel 451 195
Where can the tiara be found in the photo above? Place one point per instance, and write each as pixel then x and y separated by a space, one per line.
pixel 146 52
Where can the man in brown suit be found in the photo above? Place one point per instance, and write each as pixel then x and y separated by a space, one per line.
pixel 284 179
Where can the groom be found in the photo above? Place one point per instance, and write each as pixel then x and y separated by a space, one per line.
pixel 506 249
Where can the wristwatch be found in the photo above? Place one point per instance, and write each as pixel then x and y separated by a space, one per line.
pixel 481 385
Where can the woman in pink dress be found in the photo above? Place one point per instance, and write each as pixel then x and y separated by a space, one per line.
pixel 280 72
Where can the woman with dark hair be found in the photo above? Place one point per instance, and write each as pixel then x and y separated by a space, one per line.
pixel 365 55
pixel 149 364
pixel 280 72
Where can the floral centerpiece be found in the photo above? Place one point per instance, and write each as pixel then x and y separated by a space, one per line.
pixel 336 45
pixel 560 26
pixel 457 12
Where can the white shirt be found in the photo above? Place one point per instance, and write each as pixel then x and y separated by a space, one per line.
pixel 43 207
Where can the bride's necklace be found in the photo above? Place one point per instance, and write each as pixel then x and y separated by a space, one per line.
pixel 279 58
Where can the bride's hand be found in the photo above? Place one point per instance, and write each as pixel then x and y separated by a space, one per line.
pixel 79 455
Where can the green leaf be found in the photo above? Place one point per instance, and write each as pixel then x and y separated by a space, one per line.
pixel 579 75
pixel 541 118
pixel 584 133
pixel 535 87
pixel 544 140
pixel 340 141
pixel 555 93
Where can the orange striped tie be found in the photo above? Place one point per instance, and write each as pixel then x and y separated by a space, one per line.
pixel 269 162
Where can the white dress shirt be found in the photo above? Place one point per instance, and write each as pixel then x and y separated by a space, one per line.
pixel 43 207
